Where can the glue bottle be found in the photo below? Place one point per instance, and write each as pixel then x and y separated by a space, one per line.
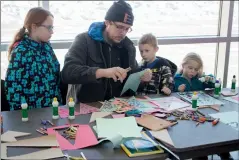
pixel 24 112
pixel 220 88
pixel 71 109
pixel 55 105
pixel 233 87
pixel 194 101
pixel 217 89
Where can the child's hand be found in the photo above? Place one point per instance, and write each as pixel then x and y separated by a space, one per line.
pixel 166 90
pixel 147 76
pixel 181 88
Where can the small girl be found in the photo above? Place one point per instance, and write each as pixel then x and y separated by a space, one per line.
pixel 188 78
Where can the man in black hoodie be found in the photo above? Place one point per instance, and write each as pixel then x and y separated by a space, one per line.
pixel 97 61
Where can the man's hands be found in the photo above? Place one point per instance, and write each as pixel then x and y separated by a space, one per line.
pixel 117 73
pixel 147 76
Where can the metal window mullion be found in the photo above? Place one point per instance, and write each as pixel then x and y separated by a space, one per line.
pixel 65 44
pixel 45 4
pixel 223 49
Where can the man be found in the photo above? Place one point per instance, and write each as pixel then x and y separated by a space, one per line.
pixel 97 61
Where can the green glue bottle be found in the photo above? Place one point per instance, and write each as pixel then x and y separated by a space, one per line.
pixel 55 105
pixel 217 89
pixel 220 88
pixel 24 110
pixel 71 109
pixel 233 87
pixel 194 101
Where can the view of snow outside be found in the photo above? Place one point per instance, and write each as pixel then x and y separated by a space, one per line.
pixel 162 18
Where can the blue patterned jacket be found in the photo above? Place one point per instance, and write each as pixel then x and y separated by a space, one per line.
pixel 33 74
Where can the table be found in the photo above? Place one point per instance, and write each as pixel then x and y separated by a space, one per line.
pixel 192 141
pixel 12 121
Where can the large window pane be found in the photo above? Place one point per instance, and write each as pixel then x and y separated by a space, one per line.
pixel 4 64
pixel 235 31
pixel 162 18
pixel 12 17
pixel 233 64
pixel 176 53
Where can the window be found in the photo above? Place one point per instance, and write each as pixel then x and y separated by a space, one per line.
pixel 4 64
pixel 235 31
pixel 233 64
pixel 74 17
pixel 12 17
pixel 60 54
pixel 176 53
pixel 162 18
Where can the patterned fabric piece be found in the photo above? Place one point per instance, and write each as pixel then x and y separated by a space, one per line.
pixel 161 76
pixel 33 74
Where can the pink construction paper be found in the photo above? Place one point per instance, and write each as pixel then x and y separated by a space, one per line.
pixel 236 98
pixel 118 115
pixel 64 112
pixel 85 137
pixel 86 109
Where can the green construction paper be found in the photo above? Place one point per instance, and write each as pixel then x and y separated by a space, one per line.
pixel 133 82
pixel 126 127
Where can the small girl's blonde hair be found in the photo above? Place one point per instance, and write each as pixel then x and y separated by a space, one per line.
pixel 196 57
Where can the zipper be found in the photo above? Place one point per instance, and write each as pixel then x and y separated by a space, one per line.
pixel 101 51
pixel 110 79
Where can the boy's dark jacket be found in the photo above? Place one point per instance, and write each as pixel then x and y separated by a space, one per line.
pixel 163 73
pixel 196 84
pixel 84 57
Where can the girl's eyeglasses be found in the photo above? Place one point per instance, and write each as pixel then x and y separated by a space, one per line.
pixel 50 28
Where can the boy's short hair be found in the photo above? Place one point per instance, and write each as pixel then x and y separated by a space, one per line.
pixel 148 38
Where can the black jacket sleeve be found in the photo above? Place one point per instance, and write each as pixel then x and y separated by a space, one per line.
pixel 75 69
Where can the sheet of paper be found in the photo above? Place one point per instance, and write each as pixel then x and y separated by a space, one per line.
pixel 229 118
pixel 163 135
pixel 115 140
pixel 51 153
pixel 126 127
pixel 229 93
pixel 95 115
pixel 153 123
pixel 86 109
pixel 95 128
pixel 234 99
pixel 108 107
pixel 85 137
pixel 64 112
pixel 10 136
pixel 169 103
pixel 132 82
pixel 203 98
pixel 118 115
pixel 44 141
pixel 122 105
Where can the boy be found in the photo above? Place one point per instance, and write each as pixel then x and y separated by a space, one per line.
pixel 162 69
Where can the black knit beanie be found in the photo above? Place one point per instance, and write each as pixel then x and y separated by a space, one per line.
pixel 120 12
